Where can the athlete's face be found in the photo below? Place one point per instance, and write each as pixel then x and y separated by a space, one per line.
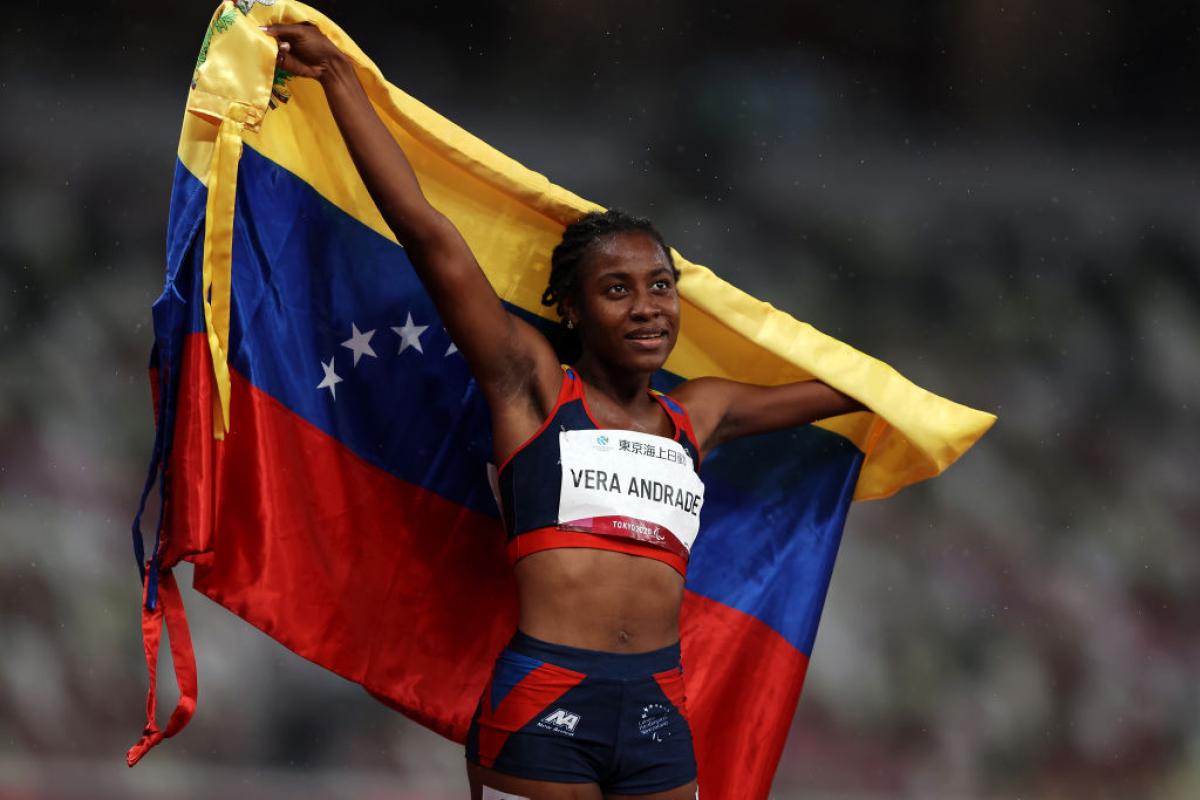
pixel 627 310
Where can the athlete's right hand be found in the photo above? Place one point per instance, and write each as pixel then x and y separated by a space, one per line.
pixel 304 50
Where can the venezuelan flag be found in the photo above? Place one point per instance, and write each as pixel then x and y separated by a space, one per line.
pixel 322 452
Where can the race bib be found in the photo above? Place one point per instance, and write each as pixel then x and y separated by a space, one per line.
pixel 630 484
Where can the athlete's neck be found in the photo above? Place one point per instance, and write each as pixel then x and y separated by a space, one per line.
pixel 621 386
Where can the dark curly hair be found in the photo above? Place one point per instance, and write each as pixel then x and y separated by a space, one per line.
pixel 570 253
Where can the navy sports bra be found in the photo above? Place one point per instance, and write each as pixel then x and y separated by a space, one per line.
pixel 574 484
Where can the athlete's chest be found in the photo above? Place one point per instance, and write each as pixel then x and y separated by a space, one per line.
pixel 651 420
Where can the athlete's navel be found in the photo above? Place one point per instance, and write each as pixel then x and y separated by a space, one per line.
pixel 624 637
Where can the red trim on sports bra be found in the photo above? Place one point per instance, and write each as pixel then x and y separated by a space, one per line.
pixel 564 390
pixel 586 408
pixel 683 423
pixel 552 538
pixel 657 395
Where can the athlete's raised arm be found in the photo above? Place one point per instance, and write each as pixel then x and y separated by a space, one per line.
pixel 503 352
pixel 722 410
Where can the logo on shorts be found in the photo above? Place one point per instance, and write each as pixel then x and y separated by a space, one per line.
pixel 560 720
pixel 655 721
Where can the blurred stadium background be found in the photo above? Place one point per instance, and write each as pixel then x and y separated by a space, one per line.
pixel 999 198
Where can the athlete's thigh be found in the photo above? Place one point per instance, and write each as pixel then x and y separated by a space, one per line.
pixel 685 792
pixel 523 788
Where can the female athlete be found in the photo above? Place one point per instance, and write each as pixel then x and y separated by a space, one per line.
pixel 597 479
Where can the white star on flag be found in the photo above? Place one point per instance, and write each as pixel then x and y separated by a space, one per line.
pixel 452 349
pixel 331 379
pixel 410 335
pixel 360 343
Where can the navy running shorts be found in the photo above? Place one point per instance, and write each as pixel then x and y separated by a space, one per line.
pixel 557 713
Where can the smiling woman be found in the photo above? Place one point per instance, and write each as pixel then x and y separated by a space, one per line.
pixel 587 699
pixel 627 290
pixel 590 236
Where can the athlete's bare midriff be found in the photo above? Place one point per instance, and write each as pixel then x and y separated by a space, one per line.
pixel 599 600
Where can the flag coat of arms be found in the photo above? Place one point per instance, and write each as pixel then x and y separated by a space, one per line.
pixel 322 453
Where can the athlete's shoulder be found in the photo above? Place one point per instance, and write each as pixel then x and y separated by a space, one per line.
pixel 700 392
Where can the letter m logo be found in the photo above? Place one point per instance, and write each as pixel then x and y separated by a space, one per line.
pixel 561 718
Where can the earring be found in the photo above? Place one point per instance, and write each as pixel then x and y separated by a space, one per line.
pixel 570 324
